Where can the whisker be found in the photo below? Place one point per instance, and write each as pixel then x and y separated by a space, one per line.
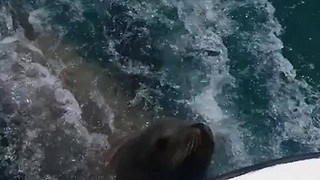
pixel 193 141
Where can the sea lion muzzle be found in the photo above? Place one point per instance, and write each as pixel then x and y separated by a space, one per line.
pixel 168 149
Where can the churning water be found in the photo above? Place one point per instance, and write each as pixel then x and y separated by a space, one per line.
pixel 105 67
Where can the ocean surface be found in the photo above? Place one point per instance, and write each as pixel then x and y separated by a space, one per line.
pixel 249 69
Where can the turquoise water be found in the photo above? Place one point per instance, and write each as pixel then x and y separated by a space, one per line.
pixel 248 68
pixel 301 37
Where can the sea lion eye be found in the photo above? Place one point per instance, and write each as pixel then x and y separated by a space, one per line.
pixel 162 143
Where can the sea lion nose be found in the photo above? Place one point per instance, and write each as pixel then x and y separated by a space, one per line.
pixel 204 129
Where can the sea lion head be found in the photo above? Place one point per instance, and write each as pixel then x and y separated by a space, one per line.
pixel 168 144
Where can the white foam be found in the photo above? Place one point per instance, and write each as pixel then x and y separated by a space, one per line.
pixel 288 93
pixel 19 37
pixel 98 98
pixel 39 19
pixel 207 106
pixel 23 83
pixel 8 40
pixel 196 17
pixel 264 43
pixel 207 38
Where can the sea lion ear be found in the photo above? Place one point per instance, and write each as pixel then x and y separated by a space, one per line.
pixel 162 143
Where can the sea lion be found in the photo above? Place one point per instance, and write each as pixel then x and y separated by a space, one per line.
pixel 169 149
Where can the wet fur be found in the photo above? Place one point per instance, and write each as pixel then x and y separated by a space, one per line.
pixel 169 149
